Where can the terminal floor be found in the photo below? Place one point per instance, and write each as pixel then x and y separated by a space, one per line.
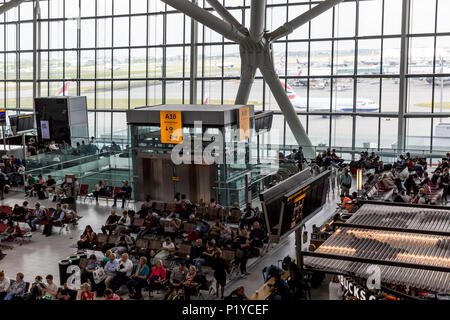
pixel 41 255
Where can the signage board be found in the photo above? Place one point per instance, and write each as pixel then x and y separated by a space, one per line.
pixel 244 123
pixel 171 127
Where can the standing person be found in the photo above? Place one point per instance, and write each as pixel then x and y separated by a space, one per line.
pixel 300 158
pixel 335 289
pixel 346 182
pixel 444 184
pixel 242 244
pixel 220 267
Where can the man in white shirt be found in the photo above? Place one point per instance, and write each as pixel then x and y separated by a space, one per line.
pixel 52 288
pixel 124 270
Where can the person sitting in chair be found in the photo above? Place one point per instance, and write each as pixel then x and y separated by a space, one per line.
pixel 17 289
pixel 9 233
pixel 99 190
pixel 111 222
pixel 18 213
pixel 124 194
pixel 138 279
pixel 56 218
pixel 66 294
pixel 123 243
pixel 156 278
pixel 87 239
pixel 38 215
pixel 177 277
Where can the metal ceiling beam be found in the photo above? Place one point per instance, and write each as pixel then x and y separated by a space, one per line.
pixel 295 23
pixel 211 21
pixel 228 17
pixel 10 5
pixel 257 19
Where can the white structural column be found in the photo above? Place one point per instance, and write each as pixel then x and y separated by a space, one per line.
pixel 255 48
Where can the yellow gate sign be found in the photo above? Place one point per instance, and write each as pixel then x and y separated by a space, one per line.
pixel 244 123
pixel 171 127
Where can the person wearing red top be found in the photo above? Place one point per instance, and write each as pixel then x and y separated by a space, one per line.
pixel 110 295
pixel 156 278
pixel 86 293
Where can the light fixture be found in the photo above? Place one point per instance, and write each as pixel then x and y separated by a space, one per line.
pixel 359 180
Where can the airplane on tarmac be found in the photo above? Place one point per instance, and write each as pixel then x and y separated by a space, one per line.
pixel 323 104
pixel 225 66
pixel 63 90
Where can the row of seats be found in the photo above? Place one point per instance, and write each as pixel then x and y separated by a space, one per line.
pixel 7 210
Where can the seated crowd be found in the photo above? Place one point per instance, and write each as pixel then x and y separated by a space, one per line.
pixel 408 180
pixel 191 242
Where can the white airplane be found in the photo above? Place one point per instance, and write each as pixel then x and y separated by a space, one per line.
pixel 226 65
pixel 323 104
pixel 63 90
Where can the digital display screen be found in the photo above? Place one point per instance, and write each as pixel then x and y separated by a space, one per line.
pixel 13 121
pixel 25 122
pixel 45 130
pixel 2 117
pixel 296 203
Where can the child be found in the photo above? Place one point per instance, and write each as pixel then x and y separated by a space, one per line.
pixel 86 293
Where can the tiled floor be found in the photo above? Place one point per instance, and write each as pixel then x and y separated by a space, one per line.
pixel 41 255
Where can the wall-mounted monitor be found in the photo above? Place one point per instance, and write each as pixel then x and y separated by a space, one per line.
pixel 25 122
pixel 2 117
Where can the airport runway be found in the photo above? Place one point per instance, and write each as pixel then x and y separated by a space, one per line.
pixel 318 127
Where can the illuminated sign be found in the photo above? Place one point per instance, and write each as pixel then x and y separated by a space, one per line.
pixel 298 193
pixel 171 127
pixel 300 198
pixel 244 123
pixel 2 117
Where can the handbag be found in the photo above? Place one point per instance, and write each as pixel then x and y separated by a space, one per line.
pixel 99 275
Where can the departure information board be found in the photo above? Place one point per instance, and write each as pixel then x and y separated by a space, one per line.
pixel 2 117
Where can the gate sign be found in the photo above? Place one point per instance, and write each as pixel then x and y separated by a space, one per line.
pixel 244 123
pixel 171 127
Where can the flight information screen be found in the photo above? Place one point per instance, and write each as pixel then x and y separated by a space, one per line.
pixel 2 117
